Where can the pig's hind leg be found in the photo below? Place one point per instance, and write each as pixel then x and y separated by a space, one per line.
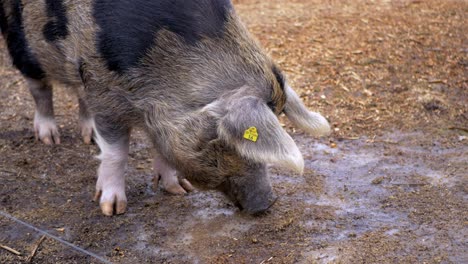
pixel 45 127
pixel 113 141
pixel 86 122
pixel 167 176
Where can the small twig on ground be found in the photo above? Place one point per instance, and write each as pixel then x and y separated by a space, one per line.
pixel 33 252
pixel 381 141
pixel 266 260
pixel 436 81
pixel 464 129
pixel 11 250
pixel 348 138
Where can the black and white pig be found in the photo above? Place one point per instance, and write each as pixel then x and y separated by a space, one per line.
pixel 185 71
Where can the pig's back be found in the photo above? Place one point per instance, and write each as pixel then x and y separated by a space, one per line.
pixel 59 34
pixel 128 29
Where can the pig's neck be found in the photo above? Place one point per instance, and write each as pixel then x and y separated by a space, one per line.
pixel 190 76
pixel 181 80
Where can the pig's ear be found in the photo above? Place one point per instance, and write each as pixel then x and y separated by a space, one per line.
pixel 254 130
pixel 311 122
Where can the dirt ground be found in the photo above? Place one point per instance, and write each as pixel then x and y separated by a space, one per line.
pixel 388 186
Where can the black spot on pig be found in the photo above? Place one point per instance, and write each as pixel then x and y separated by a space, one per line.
pixel 56 28
pixel 128 28
pixel 17 45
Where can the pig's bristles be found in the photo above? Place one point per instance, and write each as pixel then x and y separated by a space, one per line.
pixel 103 260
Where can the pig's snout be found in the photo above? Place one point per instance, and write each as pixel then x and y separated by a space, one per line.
pixel 252 194
pixel 258 204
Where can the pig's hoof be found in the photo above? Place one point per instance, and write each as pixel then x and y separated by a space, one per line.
pixel 181 187
pixel 111 204
pixel 111 208
pixel 87 134
pixel 87 131
pixel 186 185
pixel 177 187
pixel 45 129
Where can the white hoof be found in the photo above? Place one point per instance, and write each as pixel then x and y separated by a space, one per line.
pixel 45 129
pixel 86 130
pixel 111 200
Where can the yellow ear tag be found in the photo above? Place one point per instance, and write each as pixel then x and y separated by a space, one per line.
pixel 251 134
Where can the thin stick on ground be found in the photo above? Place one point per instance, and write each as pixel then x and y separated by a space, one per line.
pixel 11 250
pixel 464 129
pixel 33 252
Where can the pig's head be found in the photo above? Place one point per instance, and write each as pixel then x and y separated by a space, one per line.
pixel 228 144
pixel 251 131
pixel 218 126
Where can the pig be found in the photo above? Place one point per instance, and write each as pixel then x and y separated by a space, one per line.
pixel 188 73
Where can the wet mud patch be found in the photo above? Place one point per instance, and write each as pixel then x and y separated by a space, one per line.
pixel 395 200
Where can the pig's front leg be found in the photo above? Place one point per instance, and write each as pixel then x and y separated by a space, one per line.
pixel 110 187
pixel 167 175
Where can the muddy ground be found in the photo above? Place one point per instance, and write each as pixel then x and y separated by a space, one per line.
pixel 388 186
